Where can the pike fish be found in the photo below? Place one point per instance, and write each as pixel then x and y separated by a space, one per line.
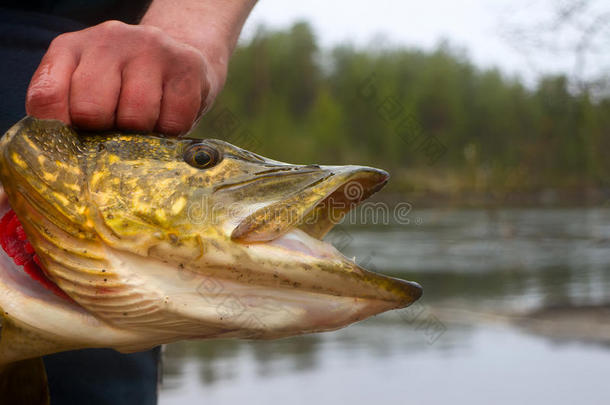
pixel 143 240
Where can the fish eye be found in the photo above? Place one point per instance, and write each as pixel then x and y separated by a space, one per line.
pixel 201 156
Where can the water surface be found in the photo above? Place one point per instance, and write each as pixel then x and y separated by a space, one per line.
pixel 476 261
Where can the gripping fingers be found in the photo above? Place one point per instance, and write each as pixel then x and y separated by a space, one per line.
pixel 48 93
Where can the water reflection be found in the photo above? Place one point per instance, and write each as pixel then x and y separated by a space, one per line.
pixel 519 257
pixel 384 337
pixel 500 262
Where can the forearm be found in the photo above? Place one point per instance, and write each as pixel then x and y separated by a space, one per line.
pixel 212 26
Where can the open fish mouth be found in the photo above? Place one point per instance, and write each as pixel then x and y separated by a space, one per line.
pixel 316 208
pixel 297 225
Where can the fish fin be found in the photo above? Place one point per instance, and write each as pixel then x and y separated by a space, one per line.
pixel 25 383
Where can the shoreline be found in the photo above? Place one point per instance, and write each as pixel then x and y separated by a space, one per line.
pixel 545 198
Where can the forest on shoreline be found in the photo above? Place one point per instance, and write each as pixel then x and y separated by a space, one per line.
pixel 445 129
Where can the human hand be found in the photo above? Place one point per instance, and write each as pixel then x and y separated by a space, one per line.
pixel 133 77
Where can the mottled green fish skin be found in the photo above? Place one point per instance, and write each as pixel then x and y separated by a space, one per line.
pixel 130 230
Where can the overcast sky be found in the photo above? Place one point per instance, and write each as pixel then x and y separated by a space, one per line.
pixel 476 25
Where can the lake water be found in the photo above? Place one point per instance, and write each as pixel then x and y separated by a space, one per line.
pixel 473 261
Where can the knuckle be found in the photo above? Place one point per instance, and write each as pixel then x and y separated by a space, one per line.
pixel 153 34
pixel 60 41
pixel 113 26
pixel 111 31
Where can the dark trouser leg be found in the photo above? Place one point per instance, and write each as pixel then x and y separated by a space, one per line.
pixel 103 377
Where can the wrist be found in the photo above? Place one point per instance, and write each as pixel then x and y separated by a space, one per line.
pixel 215 46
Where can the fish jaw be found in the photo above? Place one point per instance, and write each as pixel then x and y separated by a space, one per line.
pixel 274 277
pixel 316 208
pixel 293 285
pixel 320 289
pixel 325 290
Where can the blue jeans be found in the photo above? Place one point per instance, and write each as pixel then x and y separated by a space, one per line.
pixel 103 377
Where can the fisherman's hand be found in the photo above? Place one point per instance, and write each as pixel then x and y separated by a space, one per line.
pixel 133 77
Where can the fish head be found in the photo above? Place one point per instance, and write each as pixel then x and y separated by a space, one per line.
pixel 159 239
